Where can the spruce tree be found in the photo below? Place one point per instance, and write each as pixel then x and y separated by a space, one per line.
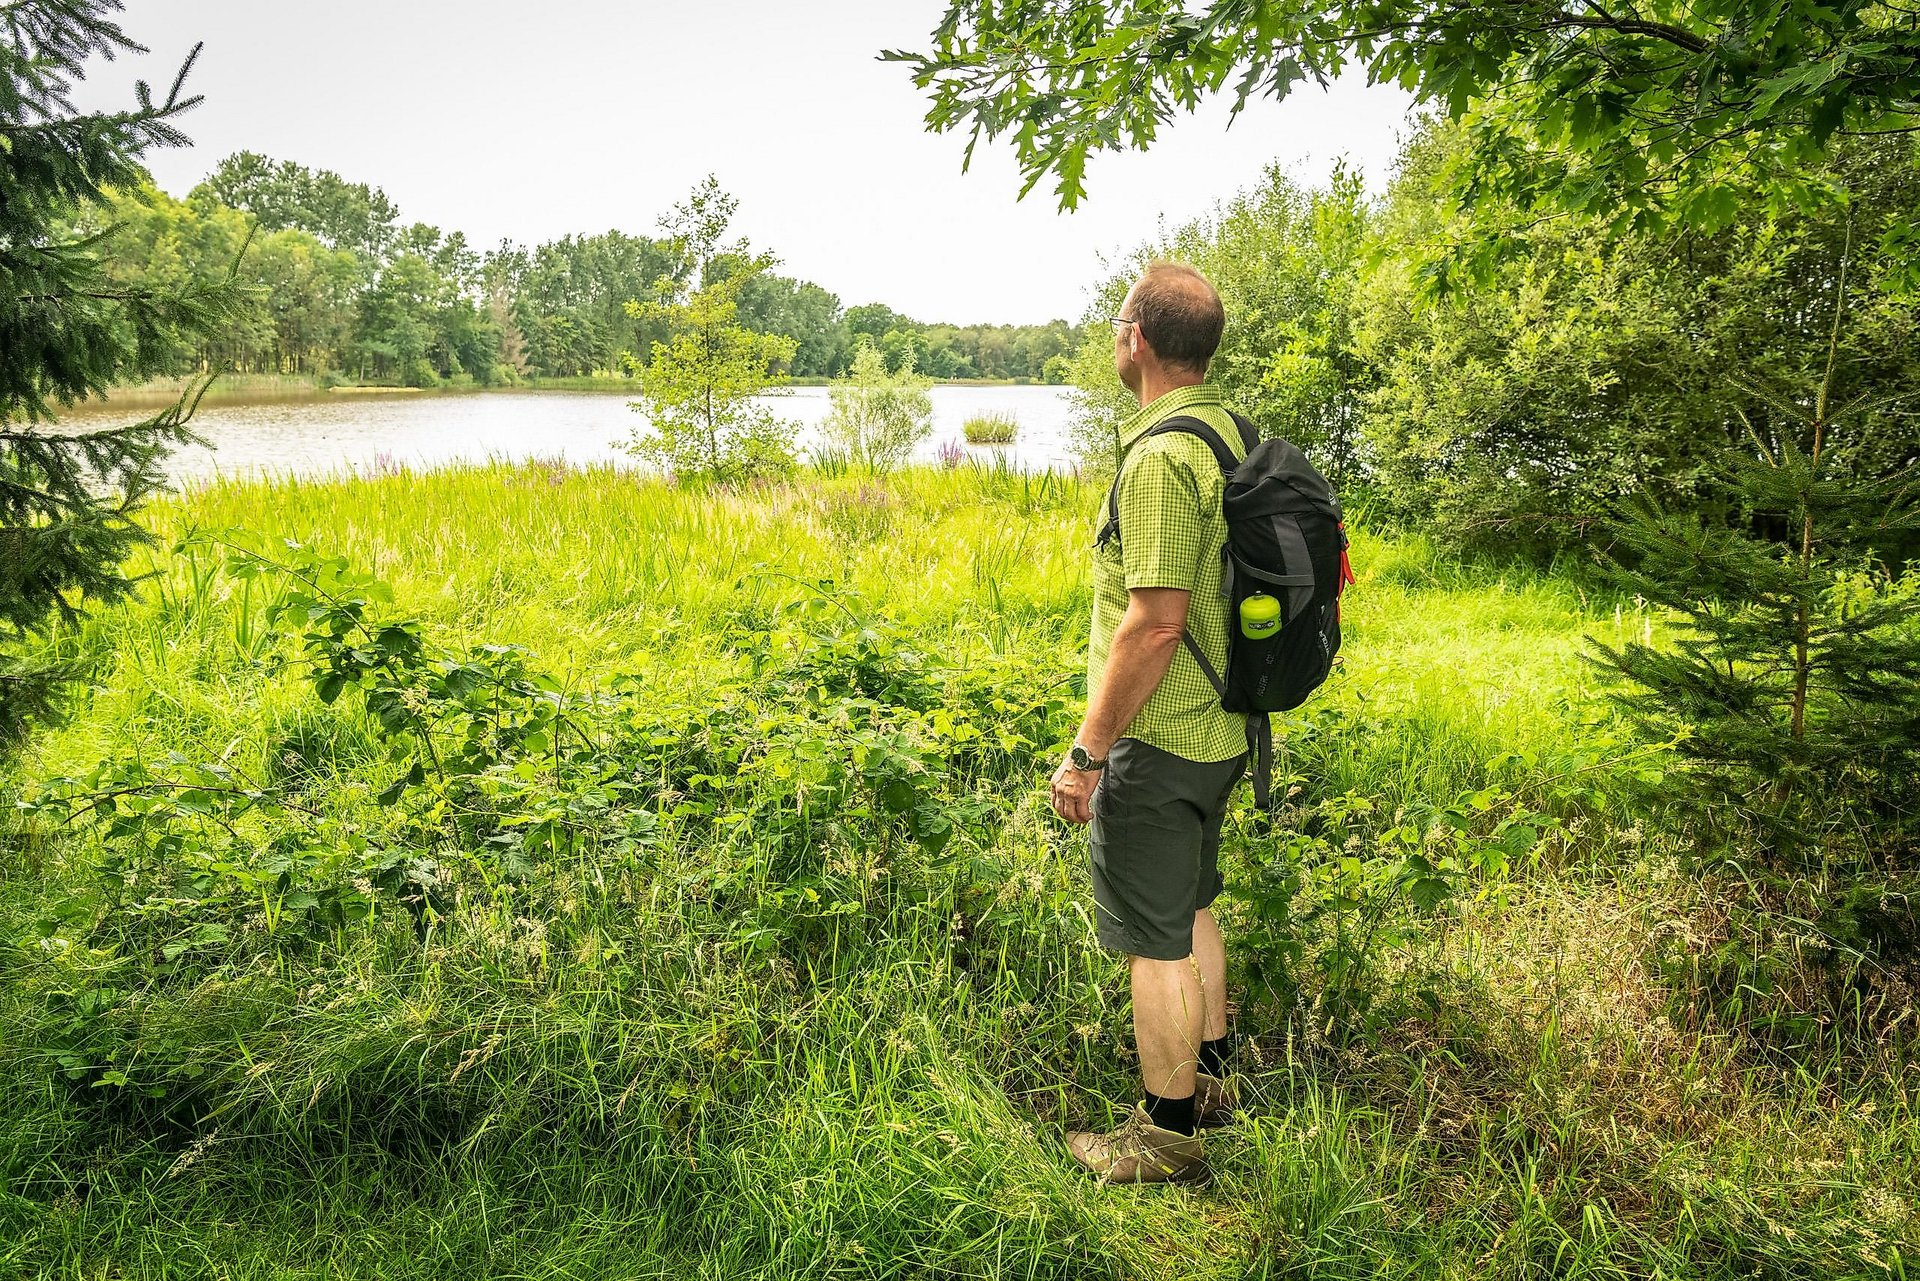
pixel 68 498
pixel 1793 680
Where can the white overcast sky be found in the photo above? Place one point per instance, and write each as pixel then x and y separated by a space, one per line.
pixel 528 121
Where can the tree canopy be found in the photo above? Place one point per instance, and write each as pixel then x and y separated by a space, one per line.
pixel 1645 107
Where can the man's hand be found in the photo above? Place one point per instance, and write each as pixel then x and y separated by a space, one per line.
pixel 1073 792
pixel 1142 650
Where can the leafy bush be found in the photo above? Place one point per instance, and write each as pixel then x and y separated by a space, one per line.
pixel 878 417
pixel 1514 413
pixel 699 390
pixel 1288 261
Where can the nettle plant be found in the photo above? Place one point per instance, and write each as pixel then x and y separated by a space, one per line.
pixel 818 787
pixel 1347 880
pixel 848 774
pixel 1350 882
pixel 198 846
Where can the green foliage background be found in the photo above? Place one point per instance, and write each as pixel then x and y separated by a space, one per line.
pixel 659 882
pixel 529 869
pixel 1512 415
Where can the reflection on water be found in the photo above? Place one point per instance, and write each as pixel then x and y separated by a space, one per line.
pixel 339 434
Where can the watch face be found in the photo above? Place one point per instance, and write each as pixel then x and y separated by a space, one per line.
pixel 1082 759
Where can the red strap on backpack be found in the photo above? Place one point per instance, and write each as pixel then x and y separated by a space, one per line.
pixel 1346 572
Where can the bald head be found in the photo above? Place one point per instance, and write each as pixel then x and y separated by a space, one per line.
pixel 1179 314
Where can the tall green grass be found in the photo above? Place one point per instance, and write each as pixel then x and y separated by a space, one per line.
pixel 990 429
pixel 673 1062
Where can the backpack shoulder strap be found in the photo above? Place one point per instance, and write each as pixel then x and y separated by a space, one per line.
pixel 1260 759
pixel 1191 426
pixel 1249 434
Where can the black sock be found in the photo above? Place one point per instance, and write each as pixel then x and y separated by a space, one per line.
pixel 1213 1056
pixel 1171 1114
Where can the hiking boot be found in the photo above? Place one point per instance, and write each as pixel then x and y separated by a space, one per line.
pixel 1141 1152
pixel 1214 1102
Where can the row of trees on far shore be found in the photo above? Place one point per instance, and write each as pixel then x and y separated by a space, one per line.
pixel 342 285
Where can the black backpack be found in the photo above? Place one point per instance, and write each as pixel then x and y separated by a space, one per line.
pixel 1286 538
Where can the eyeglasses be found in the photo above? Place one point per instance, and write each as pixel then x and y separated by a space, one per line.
pixel 1120 320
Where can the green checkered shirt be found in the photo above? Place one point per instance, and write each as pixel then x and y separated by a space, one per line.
pixel 1171 533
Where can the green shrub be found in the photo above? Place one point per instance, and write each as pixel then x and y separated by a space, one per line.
pixel 878 417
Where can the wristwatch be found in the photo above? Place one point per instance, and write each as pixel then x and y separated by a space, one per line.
pixel 1082 760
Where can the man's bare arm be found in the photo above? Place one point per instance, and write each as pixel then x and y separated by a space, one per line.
pixel 1142 651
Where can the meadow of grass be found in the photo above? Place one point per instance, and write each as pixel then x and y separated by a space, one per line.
pixel 744 943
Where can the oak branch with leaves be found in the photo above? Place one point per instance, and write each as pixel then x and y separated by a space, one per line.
pixel 1640 107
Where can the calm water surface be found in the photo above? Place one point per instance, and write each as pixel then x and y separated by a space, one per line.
pixel 360 433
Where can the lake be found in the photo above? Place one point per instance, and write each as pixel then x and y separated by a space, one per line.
pixel 340 434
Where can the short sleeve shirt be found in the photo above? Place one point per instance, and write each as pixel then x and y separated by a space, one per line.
pixel 1171 535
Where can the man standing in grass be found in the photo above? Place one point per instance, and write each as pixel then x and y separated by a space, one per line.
pixel 1157 757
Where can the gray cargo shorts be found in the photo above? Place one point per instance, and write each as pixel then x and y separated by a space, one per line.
pixel 1155 845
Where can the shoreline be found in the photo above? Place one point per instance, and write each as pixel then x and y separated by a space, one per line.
pixel 233 389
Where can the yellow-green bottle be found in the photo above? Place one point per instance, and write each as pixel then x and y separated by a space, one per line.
pixel 1259 616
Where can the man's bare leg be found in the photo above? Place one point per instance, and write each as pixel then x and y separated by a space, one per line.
pixel 1210 954
pixel 1169 1017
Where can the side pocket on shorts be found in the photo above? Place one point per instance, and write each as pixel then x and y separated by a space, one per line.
pixel 1114 778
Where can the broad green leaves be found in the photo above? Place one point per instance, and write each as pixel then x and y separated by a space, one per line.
pixel 1636 104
